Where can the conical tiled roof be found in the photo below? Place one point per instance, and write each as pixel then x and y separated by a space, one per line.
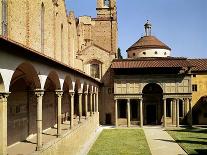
pixel 147 42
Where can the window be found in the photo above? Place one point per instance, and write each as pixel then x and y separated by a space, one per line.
pixel 194 87
pixel 165 53
pixel 155 52
pixel 194 75
pixel 133 54
pixel 42 26
pixel 95 70
pixel 144 53
pixel 4 17
pixel 107 3
pixel 62 54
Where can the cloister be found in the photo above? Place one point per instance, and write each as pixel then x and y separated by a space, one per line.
pixel 37 93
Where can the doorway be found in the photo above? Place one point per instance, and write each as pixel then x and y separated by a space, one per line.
pixel 151 114
pixel 153 103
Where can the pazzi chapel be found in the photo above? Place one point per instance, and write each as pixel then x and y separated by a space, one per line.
pixel 61 77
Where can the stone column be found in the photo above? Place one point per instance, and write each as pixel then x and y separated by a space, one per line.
pixel 141 112
pixel 91 103
pixel 71 109
pixel 86 104
pixel 39 94
pixel 80 107
pixel 59 94
pixel 94 103
pixel 97 102
pixel 171 108
pixel 174 112
pixel 177 114
pixel 128 112
pixel 116 113
pixel 190 112
pixel 3 123
pixel 164 113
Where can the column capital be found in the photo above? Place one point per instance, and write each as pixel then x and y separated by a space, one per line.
pixel 59 93
pixel 39 92
pixel 85 93
pixel 4 95
pixel 72 93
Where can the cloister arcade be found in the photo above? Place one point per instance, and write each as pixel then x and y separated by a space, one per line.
pixel 36 96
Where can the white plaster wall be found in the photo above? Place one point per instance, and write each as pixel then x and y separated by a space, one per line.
pixel 149 53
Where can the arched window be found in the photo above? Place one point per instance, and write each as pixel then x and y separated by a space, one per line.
pixel 4 18
pixel 42 26
pixel 62 54
pixel 95 70
pixel 107 3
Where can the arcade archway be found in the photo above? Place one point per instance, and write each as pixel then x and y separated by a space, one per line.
pixel 153 107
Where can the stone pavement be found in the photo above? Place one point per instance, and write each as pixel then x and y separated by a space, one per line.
pixel 160 142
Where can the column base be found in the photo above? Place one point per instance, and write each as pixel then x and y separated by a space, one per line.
pixel 38 148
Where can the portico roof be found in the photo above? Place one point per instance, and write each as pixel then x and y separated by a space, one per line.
pixel 169 62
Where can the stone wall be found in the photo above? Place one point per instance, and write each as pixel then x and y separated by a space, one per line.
pixel 24 27
pixel 201 81
pixel 72 142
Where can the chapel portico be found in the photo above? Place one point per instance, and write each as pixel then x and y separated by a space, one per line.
pixel 146 94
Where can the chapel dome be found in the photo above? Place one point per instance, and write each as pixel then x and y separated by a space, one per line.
pixel 148 46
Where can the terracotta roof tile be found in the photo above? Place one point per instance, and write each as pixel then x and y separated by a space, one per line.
pixel 151 63
pixel 198 64
pixel 148 42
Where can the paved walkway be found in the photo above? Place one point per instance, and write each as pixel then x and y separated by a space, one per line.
pixel 160 142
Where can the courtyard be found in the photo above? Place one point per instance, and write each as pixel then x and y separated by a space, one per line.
pixel 192 140
pixel 153 140
pixel 121 141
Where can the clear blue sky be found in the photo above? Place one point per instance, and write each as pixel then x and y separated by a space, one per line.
pixel 181 24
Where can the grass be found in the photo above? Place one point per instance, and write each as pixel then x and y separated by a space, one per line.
pixel 121 142
pixel 192 140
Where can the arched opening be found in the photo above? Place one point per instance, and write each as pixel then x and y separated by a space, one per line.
pixel 85 90
pixel 200 111
pixel 22 104
pixel 153 107
pixel 66 99
pixel 2 88
pixel 95 68
pixel 42 27
pixel 49 107
pixel 76 98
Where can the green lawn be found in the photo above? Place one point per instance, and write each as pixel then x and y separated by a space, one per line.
pixel 121 142
pixel 193 140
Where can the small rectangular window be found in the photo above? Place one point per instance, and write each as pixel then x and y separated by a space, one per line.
pixel 106 3
pixel 194 87
pixel 194 75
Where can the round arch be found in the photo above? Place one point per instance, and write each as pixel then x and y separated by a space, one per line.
pixel 199 111
pixel 68 85
pixel 52 81
pixel 21 103
pixel 153 103
pixel 28 73
pixel 2 88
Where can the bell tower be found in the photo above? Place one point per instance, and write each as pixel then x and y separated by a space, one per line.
pixel 106 28
pixel 106 8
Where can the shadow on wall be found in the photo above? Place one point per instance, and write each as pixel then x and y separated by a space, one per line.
pixel 200 111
